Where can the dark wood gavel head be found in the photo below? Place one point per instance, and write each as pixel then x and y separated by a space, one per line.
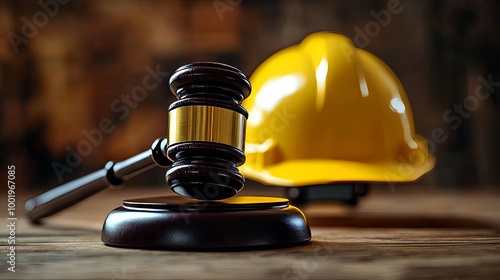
pixel 207 131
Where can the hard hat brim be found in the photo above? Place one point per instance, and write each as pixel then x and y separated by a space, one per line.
pixel 296 173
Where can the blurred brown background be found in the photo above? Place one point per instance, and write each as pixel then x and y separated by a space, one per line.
pixel 68 70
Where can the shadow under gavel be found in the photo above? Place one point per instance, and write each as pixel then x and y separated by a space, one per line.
pixel 113 174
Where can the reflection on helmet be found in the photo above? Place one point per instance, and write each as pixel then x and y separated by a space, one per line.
pixel 324 111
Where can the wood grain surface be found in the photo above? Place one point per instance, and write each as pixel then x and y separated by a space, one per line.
pixel 407 233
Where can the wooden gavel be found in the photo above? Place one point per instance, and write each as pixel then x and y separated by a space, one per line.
pixel 205 145
pixel 206 136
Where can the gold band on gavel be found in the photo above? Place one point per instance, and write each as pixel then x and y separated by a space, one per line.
pixel 206 123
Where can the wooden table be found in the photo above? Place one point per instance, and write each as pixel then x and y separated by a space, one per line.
pixel 409 232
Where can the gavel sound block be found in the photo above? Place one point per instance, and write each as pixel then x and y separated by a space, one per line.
pixel 205 147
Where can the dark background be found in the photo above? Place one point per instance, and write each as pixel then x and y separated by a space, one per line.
pixel 71 70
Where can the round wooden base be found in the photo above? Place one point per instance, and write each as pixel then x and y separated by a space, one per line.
pixel 238 223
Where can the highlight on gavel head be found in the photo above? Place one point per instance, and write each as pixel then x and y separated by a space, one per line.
pixel 206 131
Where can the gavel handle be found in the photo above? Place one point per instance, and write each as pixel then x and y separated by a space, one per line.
pixel 66 195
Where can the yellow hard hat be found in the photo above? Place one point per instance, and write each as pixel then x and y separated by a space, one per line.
pixel 323 112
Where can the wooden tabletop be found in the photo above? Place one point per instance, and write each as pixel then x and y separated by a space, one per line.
pixel 407 232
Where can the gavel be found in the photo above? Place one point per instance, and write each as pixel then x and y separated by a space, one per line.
pixel 205 145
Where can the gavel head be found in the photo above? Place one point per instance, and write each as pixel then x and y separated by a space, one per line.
pixel 207 131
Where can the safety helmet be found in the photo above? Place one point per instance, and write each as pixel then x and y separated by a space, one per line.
pixel 324 112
